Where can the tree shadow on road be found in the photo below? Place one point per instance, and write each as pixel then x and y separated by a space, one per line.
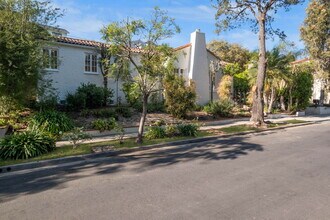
pixel 221 149
pixel 55 179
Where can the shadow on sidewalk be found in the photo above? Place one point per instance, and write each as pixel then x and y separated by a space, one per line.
pixel 55 179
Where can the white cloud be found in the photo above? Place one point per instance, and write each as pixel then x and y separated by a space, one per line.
pixel 85 27
pixel 200 13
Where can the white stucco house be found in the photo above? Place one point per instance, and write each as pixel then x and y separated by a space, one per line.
pixel 319 94
pixel 75 61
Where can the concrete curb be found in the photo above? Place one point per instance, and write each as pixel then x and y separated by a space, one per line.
pixel 86 157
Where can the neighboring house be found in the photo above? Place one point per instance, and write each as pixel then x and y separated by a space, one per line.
pixel 75 61
pixel 319 94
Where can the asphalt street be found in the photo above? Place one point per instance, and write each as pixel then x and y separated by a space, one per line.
pixel 282 174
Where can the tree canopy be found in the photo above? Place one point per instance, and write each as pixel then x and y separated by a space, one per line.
pixel 315 32
pixel 22 36
pixel 231 53
pixel 149 59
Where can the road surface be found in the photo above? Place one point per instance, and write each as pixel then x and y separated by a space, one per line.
pixel 283 174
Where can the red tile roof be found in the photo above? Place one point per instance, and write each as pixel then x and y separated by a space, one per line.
pixel 182 47
pixel 69 40
pixel 88 43
pixel 300 61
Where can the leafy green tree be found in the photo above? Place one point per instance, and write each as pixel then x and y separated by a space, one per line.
pixel 22 36
pixel 151 59
pixel 232 69
pixel 302 85
pixel 260 14
pixel 315 32
pixel 241 86
pixel 231 53
pixel 179 97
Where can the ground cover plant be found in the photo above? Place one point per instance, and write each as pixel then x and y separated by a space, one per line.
pixel 26 145
pixel 222 108
pixel 53 122
pixel 105 124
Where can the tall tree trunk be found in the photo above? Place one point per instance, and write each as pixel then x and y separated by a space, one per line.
pixel 282 103
pixel 272 98
pixel 257 117
pixel 139 139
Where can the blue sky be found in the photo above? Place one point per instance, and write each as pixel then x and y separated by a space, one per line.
pixel 83 19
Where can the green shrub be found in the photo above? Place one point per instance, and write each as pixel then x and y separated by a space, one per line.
pixel 180 97
pixel 99 113
pixel 53 122
pixel 188 129
pixel 155 132
pixel 105 113
pixel 25 145
pixel 104 124
pixel 77 136
pixel 159 122
pixel 3 122
pixel 171 130
pixel 94 95
pixel 76 101
pixel 89 96
pixel 156 107
pixel 153 107
pixel 219 108
pixel 198 107
pixel 47 103
pixel 85 113
pixel 124 111
pixel 132 94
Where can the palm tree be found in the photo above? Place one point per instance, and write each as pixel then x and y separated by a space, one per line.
pixel 277 75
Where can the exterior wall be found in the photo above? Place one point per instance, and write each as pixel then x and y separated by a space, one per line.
pixel 71 71
pixel 183 61
pixel 318 89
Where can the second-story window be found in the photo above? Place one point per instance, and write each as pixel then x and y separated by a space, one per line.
pixel 91 63
pixel 51 58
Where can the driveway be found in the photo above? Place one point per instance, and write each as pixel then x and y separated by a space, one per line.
pixel 282 174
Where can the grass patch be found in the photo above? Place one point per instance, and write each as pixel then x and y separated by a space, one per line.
pixel 238 128
pixel 287 122
pixel 66 151
pixel 295 121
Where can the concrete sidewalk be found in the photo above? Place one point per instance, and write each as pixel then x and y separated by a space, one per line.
pixel 132 132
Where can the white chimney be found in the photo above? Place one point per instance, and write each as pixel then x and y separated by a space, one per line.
pixel 199 70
